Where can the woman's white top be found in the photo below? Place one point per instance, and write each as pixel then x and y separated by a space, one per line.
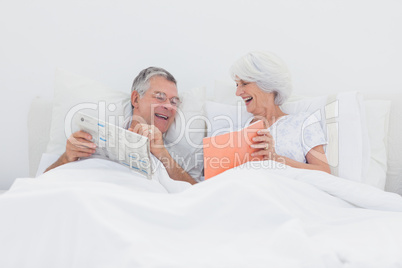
pixel 295 135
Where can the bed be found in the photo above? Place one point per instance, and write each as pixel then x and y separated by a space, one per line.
pixel 97 213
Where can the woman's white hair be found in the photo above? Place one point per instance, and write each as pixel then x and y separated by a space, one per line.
pixel 267 70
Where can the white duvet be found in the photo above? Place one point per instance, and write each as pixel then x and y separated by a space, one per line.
pixel 96 213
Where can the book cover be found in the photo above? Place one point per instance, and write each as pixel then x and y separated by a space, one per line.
pixel 229 150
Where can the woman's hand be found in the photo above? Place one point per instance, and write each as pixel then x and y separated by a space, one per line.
pixel 78 145
pixel 265 142
pixel 155 137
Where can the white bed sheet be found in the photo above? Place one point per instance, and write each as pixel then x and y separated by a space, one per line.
pixel 250 216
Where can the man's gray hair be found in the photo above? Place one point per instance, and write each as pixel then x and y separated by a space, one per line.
pixel 267 70
pixel 141 82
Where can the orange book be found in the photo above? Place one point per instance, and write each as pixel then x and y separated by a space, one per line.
pixel 229 150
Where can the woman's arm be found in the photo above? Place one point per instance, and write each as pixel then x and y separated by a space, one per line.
pixel 316 160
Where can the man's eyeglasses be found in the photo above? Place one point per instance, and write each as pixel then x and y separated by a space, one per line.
pixel 161 97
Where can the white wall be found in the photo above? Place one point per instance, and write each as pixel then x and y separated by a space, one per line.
pixel 329 46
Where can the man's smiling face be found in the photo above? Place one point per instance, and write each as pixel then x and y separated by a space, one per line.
pixel 151 108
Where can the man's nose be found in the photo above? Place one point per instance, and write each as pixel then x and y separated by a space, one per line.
pixel 168 106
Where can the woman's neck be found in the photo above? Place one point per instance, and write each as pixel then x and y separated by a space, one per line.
pixel 269 115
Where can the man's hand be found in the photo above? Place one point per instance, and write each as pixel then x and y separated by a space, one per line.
pixel 155 137
pixel 158 149
pixel 78 145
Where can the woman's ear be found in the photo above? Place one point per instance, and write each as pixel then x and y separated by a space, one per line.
pixel 134 98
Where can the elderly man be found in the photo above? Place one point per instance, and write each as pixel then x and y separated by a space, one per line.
pixel 154 99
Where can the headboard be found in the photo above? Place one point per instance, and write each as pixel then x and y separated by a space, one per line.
pixel 39 121
pixel 40 118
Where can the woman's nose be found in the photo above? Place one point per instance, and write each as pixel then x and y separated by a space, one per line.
pixel 238 91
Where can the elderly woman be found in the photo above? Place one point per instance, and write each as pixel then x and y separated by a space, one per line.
pixel 263 81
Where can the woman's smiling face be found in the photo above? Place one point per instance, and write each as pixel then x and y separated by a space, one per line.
pixel 256 100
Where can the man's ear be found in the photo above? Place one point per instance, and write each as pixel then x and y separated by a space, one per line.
pixel 135 98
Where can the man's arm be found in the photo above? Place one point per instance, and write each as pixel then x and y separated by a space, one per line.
pixel 174 170
pixel 61 161
pixel 158 149
pixel 78 145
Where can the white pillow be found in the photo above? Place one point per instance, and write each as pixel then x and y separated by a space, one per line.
pixel 223 118
pixel 184 137
pixel 225 92
pixel 377 114
pixel 341 116
pixel 76 93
